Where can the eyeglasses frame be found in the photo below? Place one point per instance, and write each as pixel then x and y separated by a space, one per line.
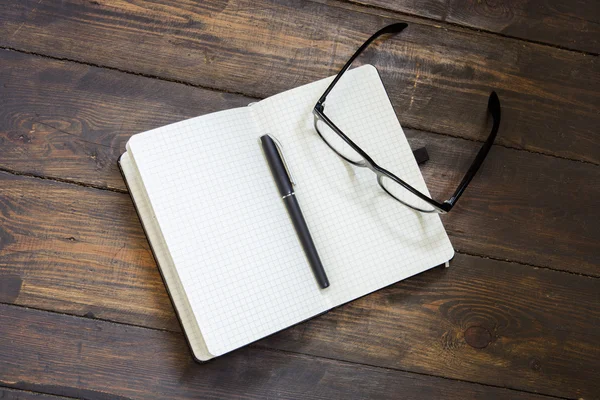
pixel 367 162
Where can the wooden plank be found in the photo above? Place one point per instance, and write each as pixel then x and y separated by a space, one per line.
pixel 479 320
pixel 573 25
pixel 99 360
pixel 520 207
pixel 13 394
pixel 80 250
pixel 438 78
pixel 80 135
pixel 72 121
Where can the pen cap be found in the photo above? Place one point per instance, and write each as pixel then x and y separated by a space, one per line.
pixel 276 164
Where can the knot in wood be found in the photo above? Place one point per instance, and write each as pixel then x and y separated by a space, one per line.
pixel 478 337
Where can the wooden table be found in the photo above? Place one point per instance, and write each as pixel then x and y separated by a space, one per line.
pixel 84 313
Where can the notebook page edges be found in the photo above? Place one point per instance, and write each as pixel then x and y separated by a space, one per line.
pixel 366 239
pixel 163 259
pixel 226 228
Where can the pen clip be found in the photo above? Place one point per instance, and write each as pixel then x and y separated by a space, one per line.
pixel 285 164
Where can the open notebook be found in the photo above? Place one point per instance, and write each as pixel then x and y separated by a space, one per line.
pixel 228 253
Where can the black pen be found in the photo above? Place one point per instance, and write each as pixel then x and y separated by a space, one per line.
pixel 284 184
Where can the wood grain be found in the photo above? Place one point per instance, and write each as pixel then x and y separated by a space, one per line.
pixel 477 330
pixel 573 25
pixel 78 250
pixel 14 394
pixel 81 251
pixel 122 362
pixel 522 207
pixel 71 122
pixel 479 320
pixel 438 78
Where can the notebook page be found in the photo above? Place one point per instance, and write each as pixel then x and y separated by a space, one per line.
pixel 226 228
pixel 163 258
pixel 366 239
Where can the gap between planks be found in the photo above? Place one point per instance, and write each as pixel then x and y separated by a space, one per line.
pixel 123 191
pixel 62 180
pixel 221 91
pixel 441 23
pixel 35 392
pixel 281 351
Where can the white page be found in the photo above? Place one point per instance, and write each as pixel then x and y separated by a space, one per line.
pixel 226 228
pixel 365 238
pixel 229 235
pixel 159 249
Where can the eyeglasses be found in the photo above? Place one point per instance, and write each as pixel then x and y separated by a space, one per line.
pixel 344 147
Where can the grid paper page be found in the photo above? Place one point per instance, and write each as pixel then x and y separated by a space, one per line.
pixel 366 239
pixel 163 258
pixel 226 228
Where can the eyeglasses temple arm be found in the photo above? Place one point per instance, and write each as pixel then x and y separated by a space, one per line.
pixel 393 28
pixel 494 109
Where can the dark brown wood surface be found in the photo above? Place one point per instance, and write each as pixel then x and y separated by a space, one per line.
pixel 438 77
pixel 83 312
pixel 466 322
pixel 568 24
pixel 113 361
pixel 15 394
pixel 81 137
